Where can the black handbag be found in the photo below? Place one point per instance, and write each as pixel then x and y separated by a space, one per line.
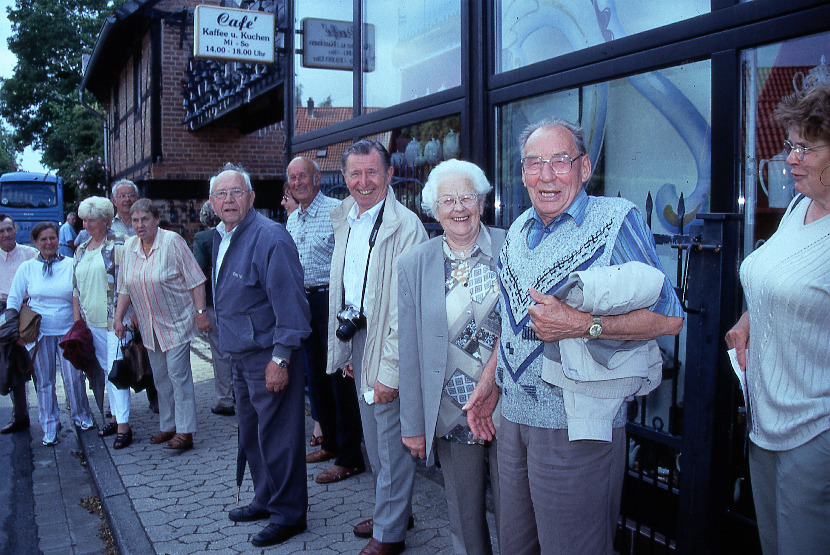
pixel 135 352
pixel 122 373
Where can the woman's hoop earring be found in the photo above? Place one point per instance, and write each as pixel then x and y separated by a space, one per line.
pixel 821 177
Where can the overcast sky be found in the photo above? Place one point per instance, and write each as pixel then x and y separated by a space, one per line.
pixel 30 160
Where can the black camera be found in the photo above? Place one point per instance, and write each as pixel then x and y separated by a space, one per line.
pixel 351 321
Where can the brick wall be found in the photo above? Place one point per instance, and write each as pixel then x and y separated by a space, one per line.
pixel 185 155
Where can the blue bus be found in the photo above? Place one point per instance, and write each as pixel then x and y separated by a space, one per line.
pixel 29 198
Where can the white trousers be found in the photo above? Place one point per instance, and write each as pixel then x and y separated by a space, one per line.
pixel 107 351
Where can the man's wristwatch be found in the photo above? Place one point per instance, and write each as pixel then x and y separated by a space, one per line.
pixel 596 329
pixel 281 362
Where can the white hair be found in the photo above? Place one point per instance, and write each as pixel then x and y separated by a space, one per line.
pixel 452 169
pixel 121 183
pixel 231 168
pixel 97 208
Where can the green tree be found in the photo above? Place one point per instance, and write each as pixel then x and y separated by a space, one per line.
pixel 8 152
pixel 40 100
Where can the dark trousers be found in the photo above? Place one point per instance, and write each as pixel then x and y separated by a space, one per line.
pixel 332 395
pixel 271 433
pixel 20 408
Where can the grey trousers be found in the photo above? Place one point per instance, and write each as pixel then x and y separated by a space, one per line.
pixel 392 465
pixel 222 375
pixel 792 497
pixel 174 383
pixel 465 485
pixel 558 496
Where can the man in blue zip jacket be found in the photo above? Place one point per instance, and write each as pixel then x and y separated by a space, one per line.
pixel 262 318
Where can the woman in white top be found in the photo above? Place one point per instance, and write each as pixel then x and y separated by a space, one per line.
pixel 97 262
pixel 47 281
pixel 783 343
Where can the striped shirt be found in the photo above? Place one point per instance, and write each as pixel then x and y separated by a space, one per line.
pixel 159 284
pixel 313 234
pixel 634 243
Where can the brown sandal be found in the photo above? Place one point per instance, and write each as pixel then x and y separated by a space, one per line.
pixel 180 442
pixel 161 437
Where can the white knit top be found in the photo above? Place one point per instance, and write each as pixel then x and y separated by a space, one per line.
pixel 787 288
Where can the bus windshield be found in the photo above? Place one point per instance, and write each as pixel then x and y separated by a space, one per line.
pixel 28 195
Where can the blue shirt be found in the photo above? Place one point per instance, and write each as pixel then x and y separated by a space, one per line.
pixel 634 243
pixel 66 239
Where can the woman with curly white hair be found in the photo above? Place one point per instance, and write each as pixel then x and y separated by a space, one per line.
pixel 97 262
pixel 447 365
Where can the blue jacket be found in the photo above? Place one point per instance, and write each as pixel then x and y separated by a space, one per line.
pixel 258 293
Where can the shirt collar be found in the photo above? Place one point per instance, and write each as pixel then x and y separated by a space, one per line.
pixel 313 208
pixel 483 244
pixel 221 229
pixel 372 212
pixel 4 255
pixel 576 211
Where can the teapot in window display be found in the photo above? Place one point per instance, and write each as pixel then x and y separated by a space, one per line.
pixel 414 154
pixel 781 186
pixel 816 76
pixel 433 151
pixel 452 148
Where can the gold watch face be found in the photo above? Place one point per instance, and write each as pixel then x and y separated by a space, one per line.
pixel 595 331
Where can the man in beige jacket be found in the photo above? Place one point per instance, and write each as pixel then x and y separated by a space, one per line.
pixel 371 230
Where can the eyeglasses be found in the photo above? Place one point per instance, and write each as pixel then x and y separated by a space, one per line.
pixel 799 150
pixel 560 164
pixel 223 195
pixel 122 196
pixel 467 200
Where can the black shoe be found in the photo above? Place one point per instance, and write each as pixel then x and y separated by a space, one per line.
pixel 277 533
pixel 247 514
pixel 223 411
pixel 15 426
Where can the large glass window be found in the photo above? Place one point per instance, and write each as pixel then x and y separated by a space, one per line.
pixel 648 135
pixel 417 50
pixel 772 72
pixel 415 150
pixel 529 31
pixel 323 93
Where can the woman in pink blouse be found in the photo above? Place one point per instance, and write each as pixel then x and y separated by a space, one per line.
pixel 162 281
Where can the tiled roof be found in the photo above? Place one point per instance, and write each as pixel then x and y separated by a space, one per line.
pixel 774 83
pixel 329 158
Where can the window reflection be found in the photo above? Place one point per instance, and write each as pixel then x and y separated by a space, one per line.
pixel 415 150
pixel 324 94
pixel 530 31
pixel 647 135
pixel 772 72
pixel 417 50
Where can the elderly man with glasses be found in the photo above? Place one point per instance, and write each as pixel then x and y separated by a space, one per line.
pixel 262 318
pixel 560 490
pixel 124 195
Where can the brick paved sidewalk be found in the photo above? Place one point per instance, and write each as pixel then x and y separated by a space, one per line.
pixel 182 499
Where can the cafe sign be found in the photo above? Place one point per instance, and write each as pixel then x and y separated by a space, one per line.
pixel 233 34
pixel 327 44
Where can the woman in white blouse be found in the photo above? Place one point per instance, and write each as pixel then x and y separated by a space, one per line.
pixel 47 281
pixel 783 343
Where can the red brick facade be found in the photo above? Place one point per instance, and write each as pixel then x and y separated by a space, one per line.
pixel 186 158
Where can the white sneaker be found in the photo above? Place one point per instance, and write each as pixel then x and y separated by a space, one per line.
pixel 49 441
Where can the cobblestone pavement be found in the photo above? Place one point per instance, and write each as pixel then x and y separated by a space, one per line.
pixel 181 500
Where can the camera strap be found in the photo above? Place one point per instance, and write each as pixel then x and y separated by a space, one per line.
pixel 372 239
